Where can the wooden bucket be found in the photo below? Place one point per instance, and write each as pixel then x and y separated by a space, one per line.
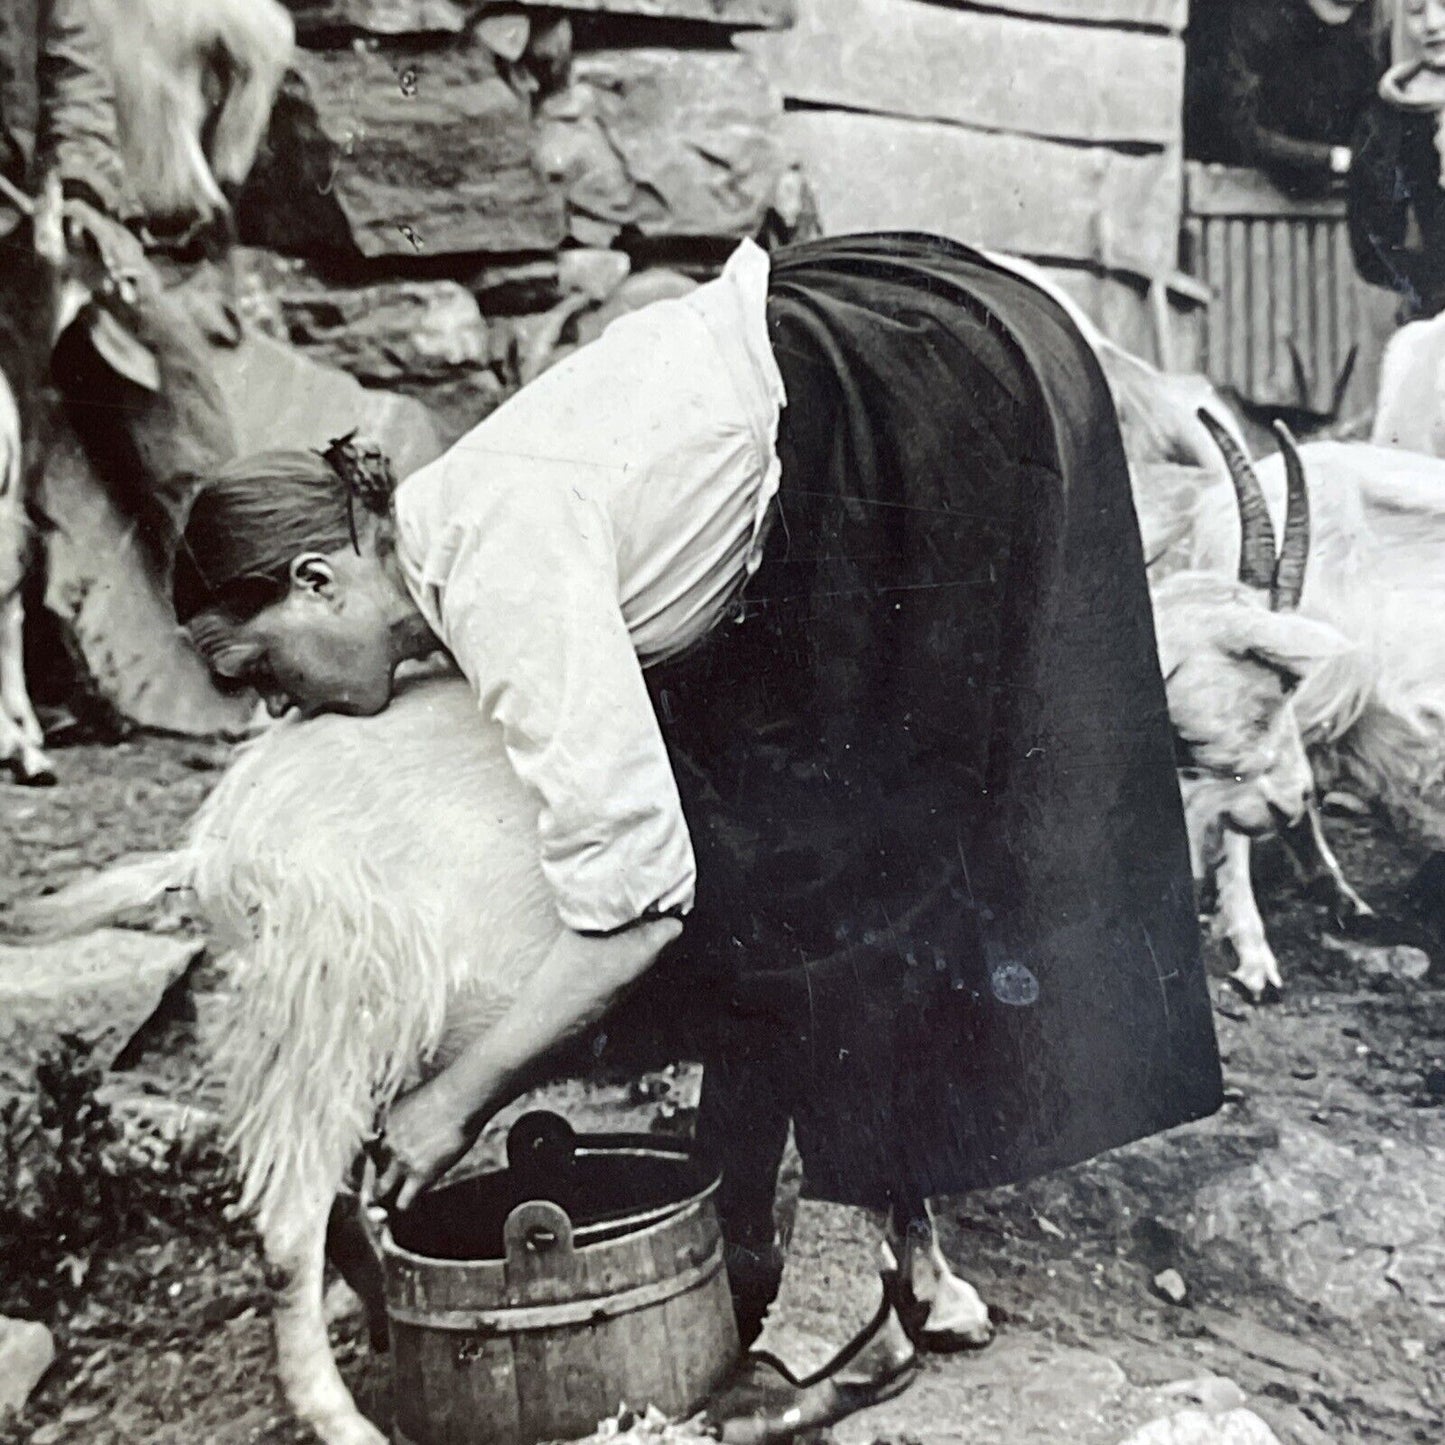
pixel 529 1303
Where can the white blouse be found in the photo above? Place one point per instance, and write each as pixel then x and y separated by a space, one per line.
pixel 599 522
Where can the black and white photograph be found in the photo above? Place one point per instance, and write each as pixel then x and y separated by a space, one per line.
pixel 722 722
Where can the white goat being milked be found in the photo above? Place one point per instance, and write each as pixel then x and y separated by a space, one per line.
pixel 1236 656
pixel 377 885
pixel 194 84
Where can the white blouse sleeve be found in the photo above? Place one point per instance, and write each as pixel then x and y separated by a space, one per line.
pixel 530 611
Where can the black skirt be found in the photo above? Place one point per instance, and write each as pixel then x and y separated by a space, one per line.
pixel 943 882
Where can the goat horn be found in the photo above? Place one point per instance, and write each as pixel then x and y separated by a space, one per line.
pixel 1256 542
pixel 1342 382
pixel 1289 571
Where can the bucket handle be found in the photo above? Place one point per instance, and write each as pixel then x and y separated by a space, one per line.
pixel 537 1236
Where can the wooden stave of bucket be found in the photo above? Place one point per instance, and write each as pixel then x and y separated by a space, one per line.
pixel 545 1343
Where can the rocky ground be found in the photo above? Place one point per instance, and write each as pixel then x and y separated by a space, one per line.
pixel 1305 1222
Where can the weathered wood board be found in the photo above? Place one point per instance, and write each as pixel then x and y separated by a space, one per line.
pixel 1171 15
pixel 916 59
pixel 1034 197
pixel 400 152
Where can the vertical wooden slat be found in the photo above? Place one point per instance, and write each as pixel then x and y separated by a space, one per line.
pixel 1261 306
pixel 1285 320
pixel 1323 251
pixel 1216 273
pixel 1278 278
pixel 1239 300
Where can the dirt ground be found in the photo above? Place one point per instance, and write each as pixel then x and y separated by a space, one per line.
pixel 1307 1219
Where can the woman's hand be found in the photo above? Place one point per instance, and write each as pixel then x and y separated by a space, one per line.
pixel 426 1132
pixel 573 986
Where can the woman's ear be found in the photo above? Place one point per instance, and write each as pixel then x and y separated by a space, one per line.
pixel 313 572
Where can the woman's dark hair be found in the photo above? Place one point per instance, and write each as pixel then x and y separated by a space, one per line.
pixel 253 516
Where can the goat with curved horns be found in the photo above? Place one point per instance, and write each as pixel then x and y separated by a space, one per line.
pixel 1234 654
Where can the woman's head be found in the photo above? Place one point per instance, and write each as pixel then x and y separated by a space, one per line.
pixel 1423 24
pixel 282 579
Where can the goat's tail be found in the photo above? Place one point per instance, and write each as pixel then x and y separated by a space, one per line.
pixel 93 902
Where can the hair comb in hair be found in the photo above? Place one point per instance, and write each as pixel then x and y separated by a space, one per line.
pixel 366 472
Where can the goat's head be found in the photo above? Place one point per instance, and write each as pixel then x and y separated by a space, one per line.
pixel 1232 654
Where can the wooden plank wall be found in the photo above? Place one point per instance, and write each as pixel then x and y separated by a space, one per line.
pixel 1283 279
pixel 1051 128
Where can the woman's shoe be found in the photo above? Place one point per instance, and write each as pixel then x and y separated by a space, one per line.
pixel 765 1402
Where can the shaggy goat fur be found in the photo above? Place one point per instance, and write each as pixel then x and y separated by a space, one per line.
pixel 195 81
pixel 364 948
pixel 1410 402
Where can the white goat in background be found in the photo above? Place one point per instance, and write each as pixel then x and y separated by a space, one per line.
pixel 1410 403
pixel 1237 656
pixel 1373 719
pixel 195 81
pixel 190 75
pixel 32 283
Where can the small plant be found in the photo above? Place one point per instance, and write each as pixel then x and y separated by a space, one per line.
pixel 74 1182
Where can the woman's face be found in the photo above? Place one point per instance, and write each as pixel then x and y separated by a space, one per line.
pixel 1425 26
pixel 325 647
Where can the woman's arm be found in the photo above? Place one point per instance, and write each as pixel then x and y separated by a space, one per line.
pixel 575 984
pixel 1253 51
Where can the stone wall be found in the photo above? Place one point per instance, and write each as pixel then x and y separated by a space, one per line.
pixel 447 186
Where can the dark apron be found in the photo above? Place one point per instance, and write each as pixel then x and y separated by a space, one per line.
pixel 944 896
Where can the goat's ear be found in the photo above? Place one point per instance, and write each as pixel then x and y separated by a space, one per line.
pixel 1291 645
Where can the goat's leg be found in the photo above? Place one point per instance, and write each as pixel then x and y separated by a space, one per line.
pixel 350 1248
pixel 1237 921
pixel 1320 870
pixel 21 738
pixel 942 1312
pixel 313 1385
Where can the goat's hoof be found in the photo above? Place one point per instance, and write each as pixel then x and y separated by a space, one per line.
pixel 30 772
pixel 953 1318
pixel 347 1430
pixel 939 1336
pixel 1255 990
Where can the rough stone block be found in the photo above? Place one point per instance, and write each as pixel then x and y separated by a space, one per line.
pixel 664 143
pixel 102 986
pixel 27 1350
pixel 389 332
pixel 408 151
pixel 317 18
pixel 1194 1427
